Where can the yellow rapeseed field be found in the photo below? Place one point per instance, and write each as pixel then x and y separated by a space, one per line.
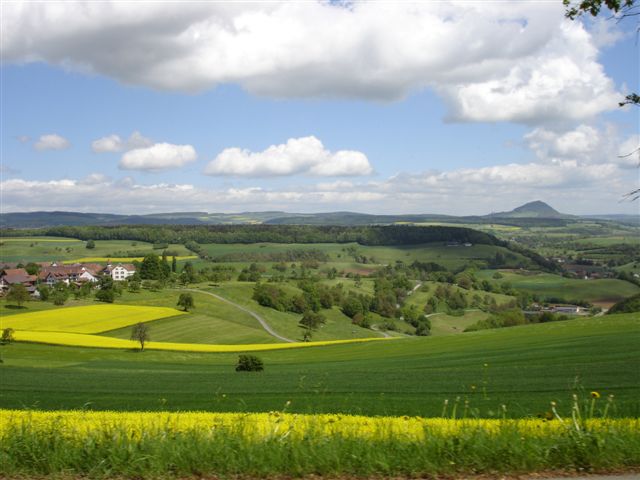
pixel 89 319
pixel 82 340
pixel 75 425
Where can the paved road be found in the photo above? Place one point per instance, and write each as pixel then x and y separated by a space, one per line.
pixel 261 320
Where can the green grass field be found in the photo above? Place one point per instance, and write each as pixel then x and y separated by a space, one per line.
pixel 522 367
pixel 450 257
pixel 49 249
pixel 603 291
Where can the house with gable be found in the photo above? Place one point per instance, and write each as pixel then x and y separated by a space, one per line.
pixel 120 272
pixel 13 276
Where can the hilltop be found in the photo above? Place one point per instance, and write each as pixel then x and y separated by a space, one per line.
pixel 536 209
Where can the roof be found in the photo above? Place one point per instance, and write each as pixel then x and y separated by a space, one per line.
pixel 17 275
pixel 127 266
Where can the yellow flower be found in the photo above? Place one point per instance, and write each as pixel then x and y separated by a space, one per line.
pixel 595 394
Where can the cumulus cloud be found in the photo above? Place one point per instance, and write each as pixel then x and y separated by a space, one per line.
pixel 158 157
pixel 512 61
pixel 306 155
pixel 569 186
pixel 113 143
pixel 584 146
pixel 52 141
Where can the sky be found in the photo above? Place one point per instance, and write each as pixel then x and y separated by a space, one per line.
pixel 313 106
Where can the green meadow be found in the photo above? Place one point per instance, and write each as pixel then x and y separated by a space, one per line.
pixel 523 368
pixel 601 291
pixel 49 249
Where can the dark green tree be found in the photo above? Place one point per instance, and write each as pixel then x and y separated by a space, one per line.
pixel 249 363
pixel 185 301
pixel 151 268
pixel 90 244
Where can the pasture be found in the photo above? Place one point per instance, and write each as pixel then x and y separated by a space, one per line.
pixel 71 250
pixel 341 256
pixel 523 368
pixel 602 291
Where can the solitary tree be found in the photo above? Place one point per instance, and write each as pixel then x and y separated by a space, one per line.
pixel 90 244
pixel 18 294
pixel 186 301
pixel 249 363
pixel 309 323
pixel 7 336
pixel 140 333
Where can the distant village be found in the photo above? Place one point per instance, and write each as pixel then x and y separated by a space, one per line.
pixel 52 273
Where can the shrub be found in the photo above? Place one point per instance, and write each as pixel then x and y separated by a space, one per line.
pixel 249 363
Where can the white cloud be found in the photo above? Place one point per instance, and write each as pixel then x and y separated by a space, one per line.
pixel 563 81
pixel 158 157
pixel 23 138
pixel 52 141
pixel 568 186
pixel 304 155
pixel 113 143
pixel 584 146
pixel 508 61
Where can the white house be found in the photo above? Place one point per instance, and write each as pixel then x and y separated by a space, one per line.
pixel 121 271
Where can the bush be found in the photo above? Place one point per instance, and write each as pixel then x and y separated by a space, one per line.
pixel 249 363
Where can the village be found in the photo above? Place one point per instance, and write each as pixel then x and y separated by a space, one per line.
pixel 35 274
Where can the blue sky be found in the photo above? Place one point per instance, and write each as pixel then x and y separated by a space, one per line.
pixel 313 107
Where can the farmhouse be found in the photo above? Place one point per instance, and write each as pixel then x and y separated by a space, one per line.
pixel 67 274
pixel 13 276
pixel 120 271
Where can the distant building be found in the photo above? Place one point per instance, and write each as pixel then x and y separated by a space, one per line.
pixel 13 276
pixel 121 271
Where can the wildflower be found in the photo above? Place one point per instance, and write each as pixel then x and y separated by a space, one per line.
pixel 473 387
pixel 595 394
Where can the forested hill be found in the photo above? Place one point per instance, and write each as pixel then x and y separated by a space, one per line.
pixel 365 235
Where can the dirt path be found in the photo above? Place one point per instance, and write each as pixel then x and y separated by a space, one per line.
pixel 260 320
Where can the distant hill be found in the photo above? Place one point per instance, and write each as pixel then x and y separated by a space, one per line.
pixel 532 214
pixel 537 209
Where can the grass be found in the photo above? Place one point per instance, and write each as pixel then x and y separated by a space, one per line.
pixel 527 367
pixel 152 445
pixel 87 319
pixel 286 323
pixel 443 324
pixel 70 250
pixel 450 257
pixel 603 291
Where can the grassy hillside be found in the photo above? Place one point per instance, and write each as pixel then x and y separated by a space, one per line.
pixel 603 291
pixel 522 367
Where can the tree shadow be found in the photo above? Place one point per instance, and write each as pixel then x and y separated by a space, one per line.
pixel 15 307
